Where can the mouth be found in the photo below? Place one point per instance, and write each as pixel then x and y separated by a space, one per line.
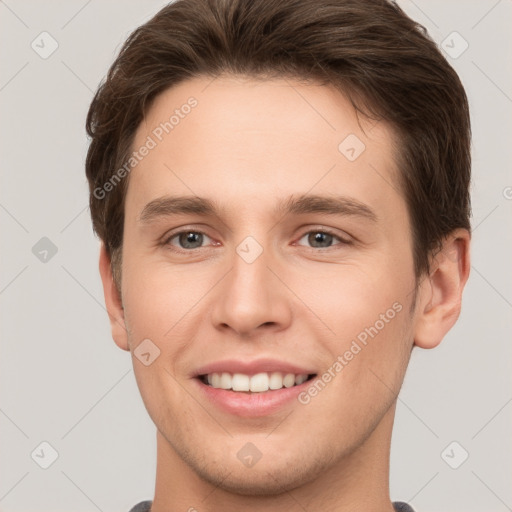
pixel 262 382
pixel 248 396
pixel 254 388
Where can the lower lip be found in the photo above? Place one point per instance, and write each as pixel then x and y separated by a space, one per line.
pixel 251 405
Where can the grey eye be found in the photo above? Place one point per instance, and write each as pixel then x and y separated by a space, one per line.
pixel 320 239
pixel 188 239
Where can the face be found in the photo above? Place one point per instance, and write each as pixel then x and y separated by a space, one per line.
pixel 289 259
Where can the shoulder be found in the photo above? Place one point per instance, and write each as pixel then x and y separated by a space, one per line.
pixel 400 506
pixel 143 506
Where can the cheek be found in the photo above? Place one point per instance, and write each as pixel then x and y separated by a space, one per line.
pixel 349 298
pixel 369 336
pixel 158 299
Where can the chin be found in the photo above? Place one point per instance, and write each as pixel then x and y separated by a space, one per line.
pixel 252 482
pixel 266 478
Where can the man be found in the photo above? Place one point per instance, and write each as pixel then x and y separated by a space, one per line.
pixel 281 191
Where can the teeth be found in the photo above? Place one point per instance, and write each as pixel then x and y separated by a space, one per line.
pixel 276 380
pixel 299 379
pixel 215 380
pixel 239 382
pixel 225 381
pixel 289 380
pixel 258 383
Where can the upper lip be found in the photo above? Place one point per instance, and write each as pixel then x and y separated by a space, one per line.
pixel 252 367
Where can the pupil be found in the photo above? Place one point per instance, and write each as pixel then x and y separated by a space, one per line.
pixel 190 238
pixel 320 238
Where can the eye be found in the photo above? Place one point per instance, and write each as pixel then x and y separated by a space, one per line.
pixel 321 239
pixel 187 240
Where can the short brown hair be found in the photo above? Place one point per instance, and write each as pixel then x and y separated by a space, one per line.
pixel 370 50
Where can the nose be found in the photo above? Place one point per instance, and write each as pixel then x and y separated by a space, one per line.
pixel 252 297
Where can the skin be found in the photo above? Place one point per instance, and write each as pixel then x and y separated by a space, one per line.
pixel 247 145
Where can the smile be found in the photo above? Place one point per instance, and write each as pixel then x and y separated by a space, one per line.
pixel 258 383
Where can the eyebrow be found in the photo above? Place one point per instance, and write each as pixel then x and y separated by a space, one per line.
pixel 331 205
pixel 174 205
pixel 305 204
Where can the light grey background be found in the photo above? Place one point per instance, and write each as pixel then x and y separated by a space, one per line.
pixel 64 381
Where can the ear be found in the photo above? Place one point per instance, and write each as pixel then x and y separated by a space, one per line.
pixel 441 291
pixel 113 301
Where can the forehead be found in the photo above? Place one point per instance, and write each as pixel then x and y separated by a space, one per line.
pixel 255 138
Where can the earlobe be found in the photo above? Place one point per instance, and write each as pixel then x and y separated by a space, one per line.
pixel 113 301
pixel 441 292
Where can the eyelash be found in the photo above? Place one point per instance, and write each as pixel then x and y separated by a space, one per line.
pixel 168 239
